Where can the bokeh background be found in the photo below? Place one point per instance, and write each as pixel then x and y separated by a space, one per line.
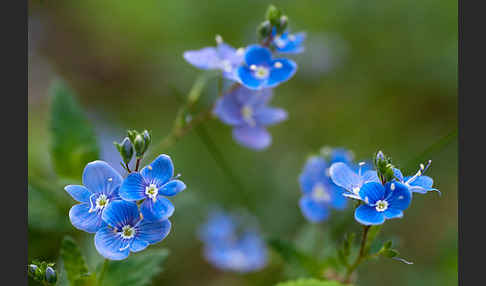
pixel 375 75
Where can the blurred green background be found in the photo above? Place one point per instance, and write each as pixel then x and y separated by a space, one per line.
pixel 375 75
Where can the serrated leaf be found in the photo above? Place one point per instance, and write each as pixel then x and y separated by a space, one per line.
pixel 73 138
pixel 73 261
pixel 310 282
pixel 137 270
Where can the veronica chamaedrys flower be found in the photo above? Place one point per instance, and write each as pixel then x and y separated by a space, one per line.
pixel 100 188
pixel 319 192
pixel 247 111
pixel 152 183
pixel 230 246
pixel 289 43
pixel 417 183
pixel 222 57
pixel 261 71
pixel 343 176
pixel 127 231
pixel 382 202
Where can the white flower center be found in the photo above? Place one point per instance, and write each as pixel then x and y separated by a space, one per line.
pixel 247 113
pixel 320 193
pixel 381 205
pixel 152 192
pixel 100 203
pixel 260 72
pixel 127 232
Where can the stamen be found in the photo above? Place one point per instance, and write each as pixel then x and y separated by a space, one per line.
pixel 278 65
pixel 381 205
pixel 392 187
pixel 219 39
pixel 149 167
pixel 110 179
pixel 152 192
pixel 127 232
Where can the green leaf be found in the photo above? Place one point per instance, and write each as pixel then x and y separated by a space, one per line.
pixel 73 139
pixel 137 269
pixel 390 253
pixel 73 261
pixel 372 234
pixel 310 282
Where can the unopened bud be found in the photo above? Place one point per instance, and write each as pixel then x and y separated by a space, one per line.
pixel 51 276
pixel 139 145
pixel 147 139
pixel 273 15
pixel 264 30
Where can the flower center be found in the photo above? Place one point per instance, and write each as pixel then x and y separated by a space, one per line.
pixel 260 72
pixel 381 205
pixel 320 193
pixel 226 65
pixel 247 113
pixel 152 192
pixel 100 203
pixel 127 232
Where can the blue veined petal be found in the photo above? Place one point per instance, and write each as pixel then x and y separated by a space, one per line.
pixel 84 220
pixel 372 192
pixel 133 187
pixel 256 137
pixel 341 155
pixel 314 172
pixel 230 54
pixel 257 55
pixel 153 231
pixel 205 58
pixel 292 43
pixel 270 115
pixel 159 172
pixel 248 79
pixel 161 209
pixel 281 70
pixel 172 188
pixel 421 184
pixel 393 213
pixel 338 201
pixel 398 174
pixel 313 211
pixel 397 195
pixel 138 245
pixel 99 177
pixel 370 176
pixel 368 215
pixel 111 245
pixel 228 109
pixel 79 193
pixel 120 213
pixel 344 177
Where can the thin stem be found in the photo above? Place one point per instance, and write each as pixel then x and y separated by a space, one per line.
pixel 103 271
pixel 137 165
pixel 361 256
pixel 128 168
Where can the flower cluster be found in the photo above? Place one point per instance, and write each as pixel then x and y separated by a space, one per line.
pixel 228 245
pixel 254 71
pixel 109 206
pixel 382 194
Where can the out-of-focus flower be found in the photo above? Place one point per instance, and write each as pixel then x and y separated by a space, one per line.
pixel 247 111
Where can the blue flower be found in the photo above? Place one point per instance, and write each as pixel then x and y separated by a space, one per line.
pixel 343 176
pixel 153 182
pixel 222 57
pixel 261 71
pixel 417 183
pixel 247 111
pixel 230 246
pixel 319 192
pixel 382 202
pixel 99 190
pixel 289 43
pixel 126 231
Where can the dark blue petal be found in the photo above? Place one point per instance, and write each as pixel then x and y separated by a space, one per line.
pixel 313 211
pixel 248 79
pixel 398 174
pixel 398 195
pixel 372 192
pixel 84 220
pixel 161 209
pixel 314 172
pixel 99 177
pixel 257 55
pixel 133 187
pixel 281 70
pixel 368 215
pixel 205 58
pixel 159 172
pixel 120 213
pixel 79 193
pixel 344 177
pixel 111 245
pixel 153 231
pixel 256 137
pixel 138 245
pixel 270 115
pixel 172 188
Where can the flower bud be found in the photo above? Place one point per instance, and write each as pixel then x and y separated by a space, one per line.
pixel 273 15
pixel 51 276
pixel 147 139
pixel 125 148
pixel 33 269
pixel 139 145
pixel 264 30
pixel 282 24
pixel 132 134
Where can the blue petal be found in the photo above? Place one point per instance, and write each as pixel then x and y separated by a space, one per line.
pixel 252 137
pixel 79 193
pixel 314 172
pixel 341 155
pixel 153 231
pixel 161 209
pixel 257 55
pixel 84 220
pixel 133 187
pixel 247 78
pixel 99 177
pixel 120 213
pixel 370 176
pixel 138 245
pixel 281 74
pixel 269 115
pixel 313 211
pixel 344 177
pixel 159 172
pixel 372 192
pixel 398 174
pixel 294 45
pixel 205 58
pixel 230 54
pixel 393 213
pixel 108 243
pixel 228 108
pixel 219 226
pixel 368 215
pixel 338 201
pixel 172 188
pixel 421 184
pixel 398 198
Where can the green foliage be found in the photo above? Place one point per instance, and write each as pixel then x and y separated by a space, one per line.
pixel 52 218
pixel 73 139
pixel 74 263
pixel 137 270
pixel 345 251
pixel 310 282
pixel 372 234
pixel 42 272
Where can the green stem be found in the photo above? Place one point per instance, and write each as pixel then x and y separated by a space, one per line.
pixel 361 256
pixel 103 271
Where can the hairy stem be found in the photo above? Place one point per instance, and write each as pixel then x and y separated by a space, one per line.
pixel 361 255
